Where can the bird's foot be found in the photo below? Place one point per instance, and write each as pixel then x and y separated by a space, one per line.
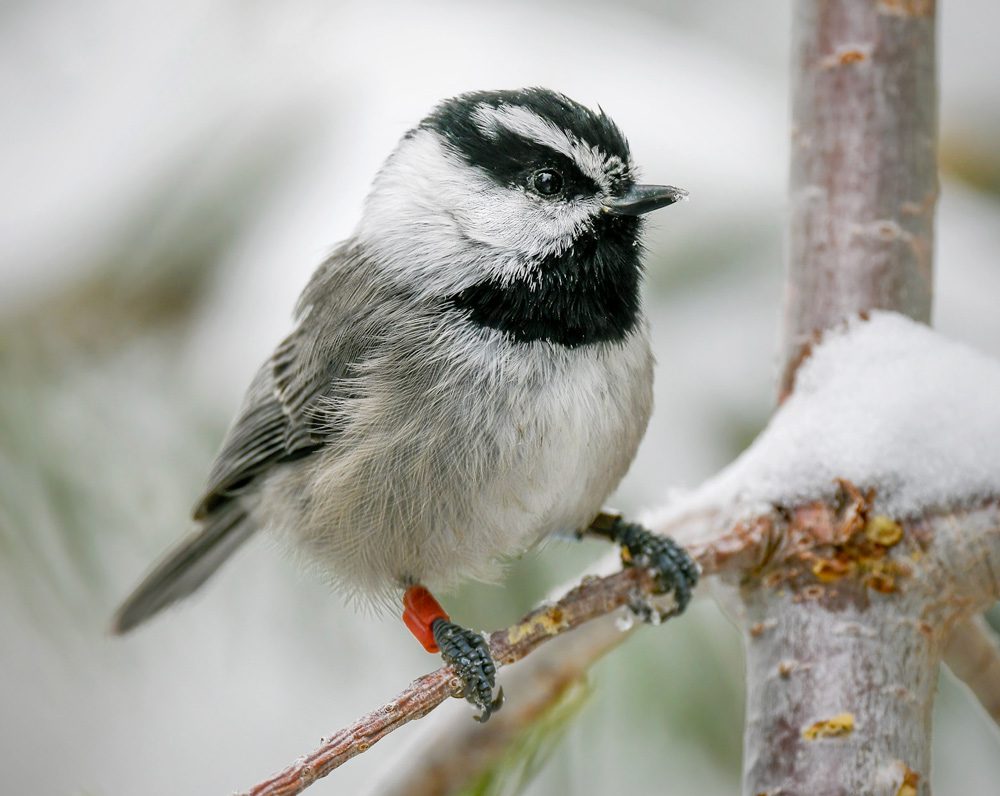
pixel 469 654
pixel 464 650
pixel 675 570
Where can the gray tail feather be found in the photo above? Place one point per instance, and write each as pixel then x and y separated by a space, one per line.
pixel 185 567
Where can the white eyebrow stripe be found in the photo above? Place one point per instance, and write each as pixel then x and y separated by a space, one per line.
pixel 527 124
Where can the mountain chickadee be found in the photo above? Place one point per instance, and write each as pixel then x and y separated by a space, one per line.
pixel 470 372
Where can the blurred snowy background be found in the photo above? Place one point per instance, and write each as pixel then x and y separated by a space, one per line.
pixel 171 175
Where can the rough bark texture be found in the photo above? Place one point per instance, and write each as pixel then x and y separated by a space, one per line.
pixel 844 635
pixel 864 167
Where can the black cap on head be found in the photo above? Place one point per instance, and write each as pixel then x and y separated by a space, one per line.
pixel 508 156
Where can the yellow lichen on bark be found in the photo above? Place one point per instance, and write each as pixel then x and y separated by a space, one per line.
pixel 835 727
pixel 883 530
pixel 550 622
pixel 911 779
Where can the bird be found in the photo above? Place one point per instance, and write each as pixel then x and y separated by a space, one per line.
pixel 469 373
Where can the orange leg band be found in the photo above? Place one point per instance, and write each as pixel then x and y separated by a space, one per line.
pixel 420 611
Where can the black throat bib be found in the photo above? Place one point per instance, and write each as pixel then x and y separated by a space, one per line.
pixel 586 294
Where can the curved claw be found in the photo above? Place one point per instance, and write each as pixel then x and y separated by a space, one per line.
pixel 675 569
pixel 490 709
pixel 468 653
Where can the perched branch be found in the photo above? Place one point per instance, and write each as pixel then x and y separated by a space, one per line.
pixel 594 597
pixel 459 753
pixel 420 698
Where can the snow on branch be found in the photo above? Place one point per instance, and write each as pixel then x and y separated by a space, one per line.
pixel 887 404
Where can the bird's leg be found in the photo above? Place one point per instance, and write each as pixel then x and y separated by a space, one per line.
pixel 464 650
pixel 676 571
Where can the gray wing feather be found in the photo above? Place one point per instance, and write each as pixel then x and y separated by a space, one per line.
pixel 265 431
pixel 287 413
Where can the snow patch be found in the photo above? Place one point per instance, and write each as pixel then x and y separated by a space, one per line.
pixel 887 404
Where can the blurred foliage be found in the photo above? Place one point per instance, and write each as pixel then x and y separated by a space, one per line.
pixel 88 374
pixel 697 262
pixel 974 158
pixel 530 751
pixel 154 271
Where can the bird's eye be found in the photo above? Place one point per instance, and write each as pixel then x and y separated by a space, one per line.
pixel 547 182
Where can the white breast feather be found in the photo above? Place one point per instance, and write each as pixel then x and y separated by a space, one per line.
pixel 504 445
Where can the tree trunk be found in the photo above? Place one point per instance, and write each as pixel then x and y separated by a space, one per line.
pixel 840 696
pixel 841 673
pixel 864 165
pixel 841 678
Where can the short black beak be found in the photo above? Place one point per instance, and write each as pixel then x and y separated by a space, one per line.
pixel 641 199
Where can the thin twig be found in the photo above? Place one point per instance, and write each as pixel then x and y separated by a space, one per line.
pixel 460 752
pixel 592 598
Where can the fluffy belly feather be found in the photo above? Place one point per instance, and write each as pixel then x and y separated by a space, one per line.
pixel 489 457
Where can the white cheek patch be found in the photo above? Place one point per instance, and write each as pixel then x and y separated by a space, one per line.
pixel 405 223
pixel 601 168
pixel 446 225
pixel 518 228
